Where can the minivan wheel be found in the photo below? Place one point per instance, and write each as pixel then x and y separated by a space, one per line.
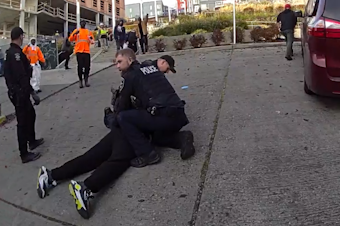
pixel 307 90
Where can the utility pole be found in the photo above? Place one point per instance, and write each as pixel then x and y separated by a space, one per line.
pixel 113 10
pixel 78 14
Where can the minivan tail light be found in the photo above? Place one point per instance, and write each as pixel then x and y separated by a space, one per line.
pixel 332 28
pixel 317 28
pixel 324 28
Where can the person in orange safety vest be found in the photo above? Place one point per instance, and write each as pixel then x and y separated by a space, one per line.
pixel 83 39
pixel 34 55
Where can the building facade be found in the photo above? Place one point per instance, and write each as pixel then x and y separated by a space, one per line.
pixel 46 17
pixel 134 10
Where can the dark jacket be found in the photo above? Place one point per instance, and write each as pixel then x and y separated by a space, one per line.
pixel 119 35
pixel 288 20
pixel 66 45
pixel 18 71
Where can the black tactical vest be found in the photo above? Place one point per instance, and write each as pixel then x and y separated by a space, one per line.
pixel 158 89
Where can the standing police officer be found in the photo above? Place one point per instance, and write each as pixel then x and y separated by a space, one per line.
pixel 159 109
pixel 18 73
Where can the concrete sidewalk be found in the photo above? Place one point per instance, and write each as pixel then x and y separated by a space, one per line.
pixel 267 154
pixel 52 81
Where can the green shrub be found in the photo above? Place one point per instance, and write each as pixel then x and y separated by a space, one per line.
pixel 199 31
pixel 279 9
pixel 180 44
pixel 217 37
pixel 249 10
pixel 197 41
pixel 269 9
pixel 160 45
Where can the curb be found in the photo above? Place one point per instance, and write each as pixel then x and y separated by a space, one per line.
pixel 10 117
pixel 222 47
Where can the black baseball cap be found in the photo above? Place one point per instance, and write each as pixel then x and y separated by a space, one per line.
pixel 16 32
pixel 170 61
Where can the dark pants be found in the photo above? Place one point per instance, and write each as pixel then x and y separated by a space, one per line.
pixel 289 35
pixel 2 61
pixel 25 115
pixel 109 159
pixel 135 123
pixel 84 63
pixel 169 139
pixel 133 46
pixel 119 44
pixel 143 41
pixel 67 58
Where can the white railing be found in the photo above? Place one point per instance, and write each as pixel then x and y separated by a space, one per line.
pixel 43 7
pixel 10 3
pixel 5 34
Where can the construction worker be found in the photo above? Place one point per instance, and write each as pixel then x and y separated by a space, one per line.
pixel 103 32
pixel 34 55
pixel 83 39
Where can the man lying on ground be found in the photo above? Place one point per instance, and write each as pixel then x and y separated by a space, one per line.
pixel 109 159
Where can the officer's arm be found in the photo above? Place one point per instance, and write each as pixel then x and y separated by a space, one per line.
pixel 124 100
pixel 19 72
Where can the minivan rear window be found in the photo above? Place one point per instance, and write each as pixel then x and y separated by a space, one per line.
pixel 332 9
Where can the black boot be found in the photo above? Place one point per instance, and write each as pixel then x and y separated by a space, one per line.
pixel 81 84
pixel 148 159
pixel 33 145
pixel 186 139
pixel 29 157
pixel 87 81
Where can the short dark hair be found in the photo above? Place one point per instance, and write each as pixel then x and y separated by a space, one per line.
pixel 16 33
pixel 127 52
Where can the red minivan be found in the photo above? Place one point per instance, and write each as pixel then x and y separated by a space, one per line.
pixel 320 43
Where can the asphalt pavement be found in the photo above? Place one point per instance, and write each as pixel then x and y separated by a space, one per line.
pixel 267 153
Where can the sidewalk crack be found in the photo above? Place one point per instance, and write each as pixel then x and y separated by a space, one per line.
pixel 205 167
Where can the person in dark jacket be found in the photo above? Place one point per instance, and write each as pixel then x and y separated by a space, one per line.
pixel 119 35
pixel 157 106
pixel 287 21
pixel 18 73
pixel 66 50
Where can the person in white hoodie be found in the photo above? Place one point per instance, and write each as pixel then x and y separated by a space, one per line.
pixel 34 55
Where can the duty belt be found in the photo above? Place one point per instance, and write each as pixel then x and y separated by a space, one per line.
pixel 164 111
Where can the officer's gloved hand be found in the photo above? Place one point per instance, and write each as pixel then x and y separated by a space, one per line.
pixel 36 98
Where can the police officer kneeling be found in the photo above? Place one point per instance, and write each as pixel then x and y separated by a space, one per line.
pixel 18 73
pixel 159 108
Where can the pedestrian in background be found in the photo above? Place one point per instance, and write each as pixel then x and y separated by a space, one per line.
pixel 287 21
pixel 35 56
pixel 102 32
pixel 18 72
pixel 119 35
pixel 143 33
pixel 83 38
pixel 66 50
pixel 132 39
pixel 2 60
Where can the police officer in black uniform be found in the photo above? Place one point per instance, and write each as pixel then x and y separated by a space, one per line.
pixel 18 73
pixel 159 109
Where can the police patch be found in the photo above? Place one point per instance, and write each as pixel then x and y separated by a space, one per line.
pixel 17 56
pixel 121 86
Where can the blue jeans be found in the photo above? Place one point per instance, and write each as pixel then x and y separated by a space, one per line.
pixel 2 61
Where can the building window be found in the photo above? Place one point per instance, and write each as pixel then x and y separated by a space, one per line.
pixel 117 12
pixel 117 1
pixel 83 1
pixel 110 8
pixel 94 3
pixel 102 5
